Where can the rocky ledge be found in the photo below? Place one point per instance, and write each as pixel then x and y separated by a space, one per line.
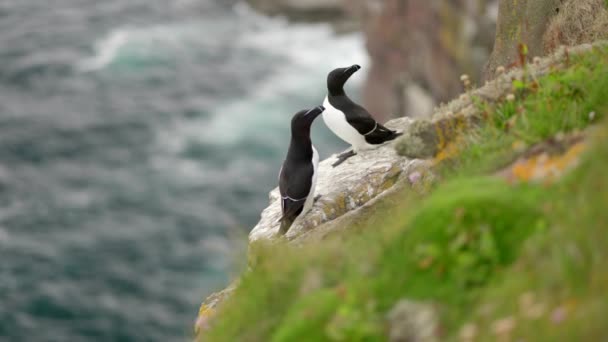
pixel 344 188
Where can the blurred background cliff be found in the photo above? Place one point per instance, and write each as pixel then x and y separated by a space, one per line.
pixel 137 138
pixel 418 49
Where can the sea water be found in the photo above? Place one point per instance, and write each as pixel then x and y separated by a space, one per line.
pixel 138 140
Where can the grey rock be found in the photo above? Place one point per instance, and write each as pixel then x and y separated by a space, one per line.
pixel 302 10
pixel 411 321
pixel 209 308
pixel 420 140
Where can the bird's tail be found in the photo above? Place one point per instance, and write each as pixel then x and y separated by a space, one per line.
pixel 285 225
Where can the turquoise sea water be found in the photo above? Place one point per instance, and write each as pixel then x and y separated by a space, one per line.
pixel 136 137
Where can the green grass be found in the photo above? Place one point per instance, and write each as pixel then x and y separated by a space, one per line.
pixel 472 244
pixel 560 102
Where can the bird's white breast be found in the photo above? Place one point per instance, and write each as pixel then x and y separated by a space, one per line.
pixel 336 121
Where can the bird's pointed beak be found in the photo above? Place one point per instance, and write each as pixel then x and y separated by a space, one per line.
pixel 352 69
pixel 315 111
pixel 318 111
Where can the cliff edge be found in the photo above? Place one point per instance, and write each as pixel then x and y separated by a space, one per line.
pixel 451 231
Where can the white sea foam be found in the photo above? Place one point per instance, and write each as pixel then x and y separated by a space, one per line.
pixel 106 50
pixel 307 53
pixel 141 43
pixel 303 53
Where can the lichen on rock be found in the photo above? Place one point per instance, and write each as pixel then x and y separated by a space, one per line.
pixel 209 307
pixel 547 161
pixel 426 138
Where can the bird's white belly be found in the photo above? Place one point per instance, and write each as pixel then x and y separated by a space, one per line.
pixel 336 121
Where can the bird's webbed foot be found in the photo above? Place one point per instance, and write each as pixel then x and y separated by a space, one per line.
pixel 343 157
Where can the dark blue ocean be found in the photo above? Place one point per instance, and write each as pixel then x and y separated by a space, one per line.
pixel 138 142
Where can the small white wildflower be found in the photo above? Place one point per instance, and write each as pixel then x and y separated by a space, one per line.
pixel 468 332
pixel 526 300
pixel 591 116
pixel 510 97
pixel 535 311
pixel 503 326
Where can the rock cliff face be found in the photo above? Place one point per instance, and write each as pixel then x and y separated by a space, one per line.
pixel 418 48
pixel 426 43
pixel 543 26
pixel 519 22
pixel 304 10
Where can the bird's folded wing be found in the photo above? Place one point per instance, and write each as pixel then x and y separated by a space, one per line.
pixel 361 120
pixel 292 208
pixel 295 182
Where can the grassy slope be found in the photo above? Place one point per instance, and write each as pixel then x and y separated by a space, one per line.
pixel 480 248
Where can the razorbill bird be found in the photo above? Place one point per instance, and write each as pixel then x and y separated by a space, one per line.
pixel 348 120
pixel 298 175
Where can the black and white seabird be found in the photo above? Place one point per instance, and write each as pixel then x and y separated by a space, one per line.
pixel 298 175
pixel 348 120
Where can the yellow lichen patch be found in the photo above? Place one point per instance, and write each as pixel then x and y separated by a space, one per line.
pixel 205 313
pixel 448 136
pixel 543 167
pixel 448 152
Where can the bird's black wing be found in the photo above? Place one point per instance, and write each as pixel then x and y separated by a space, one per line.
pixel 295 181
pixel 381 135
pixel 356 115
pixel 364 123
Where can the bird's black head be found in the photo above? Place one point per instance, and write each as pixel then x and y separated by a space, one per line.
pixel 338 77
pixel 302 120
